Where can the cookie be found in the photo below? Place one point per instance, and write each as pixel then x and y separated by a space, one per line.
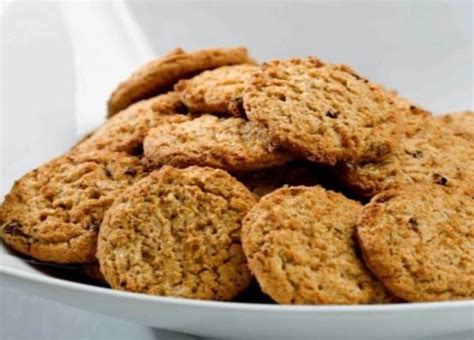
pixel 428 153
pixel 53 213
pixel 126 130
pixel 217 91
pixel 233 144
pixel 160 75
pixel 299 242
pixel 419 241
pixel 462 123
pixel 324 112
pixel 177 233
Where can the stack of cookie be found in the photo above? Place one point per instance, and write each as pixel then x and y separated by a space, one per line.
pixel 212 171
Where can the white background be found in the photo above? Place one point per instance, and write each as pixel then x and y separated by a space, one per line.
pixel 49 95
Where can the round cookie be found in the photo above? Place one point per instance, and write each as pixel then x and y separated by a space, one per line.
pixel 233 144
pixel 462 123
pixel 217 91
pixel 53 213
pixel 429 153
pixel 324 112
pixel 177 233
pixel 419 241
pixel 160 75
pixel 300 245
pixel 127 129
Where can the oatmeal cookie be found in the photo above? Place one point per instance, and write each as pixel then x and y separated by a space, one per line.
pixel 160 75
pixel 429 153
pixel 232 144
pixel 325 112
pixel 300 245
pixel 217 91
pixel 177 233
pixel 419 241
pixel 54 212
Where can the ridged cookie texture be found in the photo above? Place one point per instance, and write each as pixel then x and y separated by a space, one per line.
pixel 217 91
pixel 177 233
pixel 325 112
pixel 231 143
pixel 159 76
pixel 127 129
pixel 300 245
pixel 429 152
pixel 419 241
pixel 462 123
pixel 54 212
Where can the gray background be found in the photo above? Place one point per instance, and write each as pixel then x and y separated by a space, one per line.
pixel 423 49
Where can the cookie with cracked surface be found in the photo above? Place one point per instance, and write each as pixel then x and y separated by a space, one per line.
pixel 177 233
pixel 300 245
pixel 127 129
pixel 325 112
pixel 53 213
pixel 428 153
pixel 232 144
pixel 462 123
pixel 217 91
pixel 419 241
pixel 159 76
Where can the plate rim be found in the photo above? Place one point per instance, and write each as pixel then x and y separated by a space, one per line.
pixel 234 306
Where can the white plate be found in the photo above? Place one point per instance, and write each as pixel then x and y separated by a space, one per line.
pixel 244 320
pixel 399 44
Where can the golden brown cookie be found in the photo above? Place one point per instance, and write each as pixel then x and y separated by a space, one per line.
pixel 53 213
pixel 217 91
pixel 419 241
pixel 462 123
pixel 160 75
pixel 177 233
pixel 324 112
pixel 428 153
pixel 233 144
pixel 300 245
pixel 127 129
